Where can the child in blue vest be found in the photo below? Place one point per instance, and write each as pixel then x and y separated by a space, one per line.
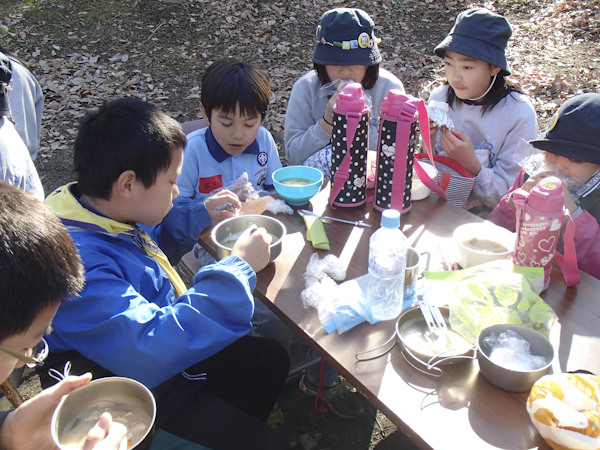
pixel 234 100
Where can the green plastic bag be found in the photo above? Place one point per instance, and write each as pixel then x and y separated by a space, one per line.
pixel 495 292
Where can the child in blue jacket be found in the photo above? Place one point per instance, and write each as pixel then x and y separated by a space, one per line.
pixel 135 317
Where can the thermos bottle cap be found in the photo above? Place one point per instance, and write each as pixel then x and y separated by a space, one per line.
pixel 390 218
pixel 547 195
pixel 393 103
pixel 352 98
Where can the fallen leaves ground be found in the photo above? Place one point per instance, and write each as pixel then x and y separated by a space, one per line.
pixel 83 52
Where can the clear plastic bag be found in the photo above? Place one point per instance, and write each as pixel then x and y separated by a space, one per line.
pixel 496 292
pixel 241 187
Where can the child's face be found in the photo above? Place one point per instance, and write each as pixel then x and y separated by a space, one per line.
pixel 356 73
pixel 24 342
pixel 233 132
pixel 469 77
pixel 152 204
pixel 581 171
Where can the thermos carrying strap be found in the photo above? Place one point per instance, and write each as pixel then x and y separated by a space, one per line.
pixel 568 261
pixel 342 174
pixel 421 173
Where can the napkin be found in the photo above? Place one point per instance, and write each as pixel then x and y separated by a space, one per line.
pixel 315 233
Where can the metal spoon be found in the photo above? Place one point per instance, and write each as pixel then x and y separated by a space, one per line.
pixel 305 212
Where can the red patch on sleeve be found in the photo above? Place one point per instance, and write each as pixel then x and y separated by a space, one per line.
pixel 209 184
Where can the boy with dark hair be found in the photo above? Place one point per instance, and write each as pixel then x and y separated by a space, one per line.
pixel 234 101
pixel 135 317
pixel 40 267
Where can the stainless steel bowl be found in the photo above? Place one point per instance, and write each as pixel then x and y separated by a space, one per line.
pixel 225 233
pixel 508 379
pixel 111 389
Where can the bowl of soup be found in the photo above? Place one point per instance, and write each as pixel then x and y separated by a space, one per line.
pixel 479 243
pixel 226 233
pixel 129 402
pixel 297 184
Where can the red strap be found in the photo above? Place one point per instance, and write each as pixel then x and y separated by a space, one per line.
pixel 445 181
pixel 342 174
pixel 423 176
pixel 403 126
pixel 568 262
pixel 319 402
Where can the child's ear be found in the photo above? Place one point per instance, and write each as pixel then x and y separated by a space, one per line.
pixel 204 115
pixel 495 70
pixel 126 184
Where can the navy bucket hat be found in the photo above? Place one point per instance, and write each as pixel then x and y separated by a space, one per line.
pixel 5 77
pixel 345 37
pixel 481 34
pixel 574 130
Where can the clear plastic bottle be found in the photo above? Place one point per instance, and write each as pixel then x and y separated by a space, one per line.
pixel 387 259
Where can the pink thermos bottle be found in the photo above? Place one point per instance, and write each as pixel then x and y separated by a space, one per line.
pixel 349 147
pixel 540 215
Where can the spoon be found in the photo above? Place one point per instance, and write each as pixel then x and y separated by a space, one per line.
pixel 305 212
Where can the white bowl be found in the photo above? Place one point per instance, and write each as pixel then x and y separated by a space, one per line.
pixel 470 236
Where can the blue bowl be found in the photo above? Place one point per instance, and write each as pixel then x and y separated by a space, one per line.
pixel 297 195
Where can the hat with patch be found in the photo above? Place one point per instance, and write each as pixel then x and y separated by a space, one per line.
pixel 5 77
pixel 345 37
pixel 480 34
pixel 574 130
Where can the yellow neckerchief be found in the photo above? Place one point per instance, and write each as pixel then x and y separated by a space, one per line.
pixel 66 206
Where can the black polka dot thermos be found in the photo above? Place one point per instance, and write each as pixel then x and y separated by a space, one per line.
pixel 395 152
pixel 349 147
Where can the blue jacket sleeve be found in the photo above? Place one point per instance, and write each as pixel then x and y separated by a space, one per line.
pixel 145 333
pixel 181 227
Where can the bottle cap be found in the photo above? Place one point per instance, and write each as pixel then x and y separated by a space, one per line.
pixel 548 195
pixel 352 98
pixel 390 218
pixel 394 102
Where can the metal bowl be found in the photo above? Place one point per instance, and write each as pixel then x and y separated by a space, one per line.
pixel 112 389
pixel 419 348
pixel 509 379
pixel 225 233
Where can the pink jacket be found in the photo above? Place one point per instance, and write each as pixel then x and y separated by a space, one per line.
pixel 587 230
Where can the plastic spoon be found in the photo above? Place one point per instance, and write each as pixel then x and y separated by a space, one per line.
pixel 305 212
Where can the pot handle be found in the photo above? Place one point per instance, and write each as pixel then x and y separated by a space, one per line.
pixel 359 357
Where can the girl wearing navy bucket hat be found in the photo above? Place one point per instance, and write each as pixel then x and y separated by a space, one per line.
pixel 490 114
pixel 346 49
pixel 571 147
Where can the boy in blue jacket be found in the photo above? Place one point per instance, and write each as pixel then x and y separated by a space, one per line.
pixel 135 317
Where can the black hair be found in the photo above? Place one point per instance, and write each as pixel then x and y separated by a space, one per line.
pixel 367 82
pixel 39 263
pixel 500 89
pixel 124 134
pixel 229 83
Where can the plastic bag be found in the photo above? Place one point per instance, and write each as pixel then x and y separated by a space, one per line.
pixel 346 308
pixel 495 292
pixel 241 187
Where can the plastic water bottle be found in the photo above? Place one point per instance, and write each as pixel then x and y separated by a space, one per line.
pixel 387 259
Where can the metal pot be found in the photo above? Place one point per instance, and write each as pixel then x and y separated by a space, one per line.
pixel 111 389
pixel 509 379
pixel 424 352
pixel 225 233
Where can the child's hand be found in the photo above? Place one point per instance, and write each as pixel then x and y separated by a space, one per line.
pixel 533 180
pixel 221 198
pixel 328 114
pixel 433 129
pixel 253 247
pixel 458 146
pixel 28 427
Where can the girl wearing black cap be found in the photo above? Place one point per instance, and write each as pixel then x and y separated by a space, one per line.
pixel 490 115
pixel 346 48
pixel 571 147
